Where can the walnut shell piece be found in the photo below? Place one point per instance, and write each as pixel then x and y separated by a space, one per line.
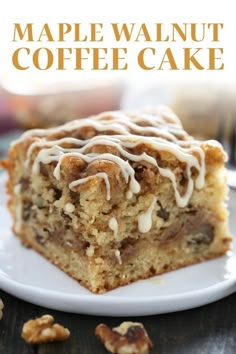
pixel 43 330
pixel 1 308
pixel 128 338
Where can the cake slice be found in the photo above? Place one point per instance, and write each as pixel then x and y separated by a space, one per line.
pixel 119 197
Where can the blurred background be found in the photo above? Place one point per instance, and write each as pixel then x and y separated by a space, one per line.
pixel 206 109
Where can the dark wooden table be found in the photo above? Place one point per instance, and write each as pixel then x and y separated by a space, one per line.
pixel 210 329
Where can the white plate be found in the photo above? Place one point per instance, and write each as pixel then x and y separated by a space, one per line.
pixel 29 276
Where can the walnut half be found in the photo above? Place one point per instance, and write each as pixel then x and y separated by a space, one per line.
pixel 128 338
pixel 43 330
pixel 1 308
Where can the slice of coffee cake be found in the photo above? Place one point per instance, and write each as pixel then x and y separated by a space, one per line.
pixel 118 197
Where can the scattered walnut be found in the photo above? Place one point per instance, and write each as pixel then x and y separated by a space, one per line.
pixel 1 307
pixel 162 213
pixel 128 338
pixel 42 330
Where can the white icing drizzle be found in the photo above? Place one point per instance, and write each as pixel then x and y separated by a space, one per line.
pixel 160 132
pixel 18 215
pixel 145 219
pixel 113 225
pixel 118 256
pixel 69 208
pixel 90 251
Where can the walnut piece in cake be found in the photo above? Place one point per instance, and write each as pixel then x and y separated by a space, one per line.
pixel 43 330
pixel 127 338
pixel 119 197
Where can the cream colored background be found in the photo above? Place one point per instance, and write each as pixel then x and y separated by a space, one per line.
pixel 106 11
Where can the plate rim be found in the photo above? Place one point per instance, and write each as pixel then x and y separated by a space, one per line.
pixel 141 306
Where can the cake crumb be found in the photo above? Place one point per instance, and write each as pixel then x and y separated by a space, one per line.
pixel 90 251
pixel 17 189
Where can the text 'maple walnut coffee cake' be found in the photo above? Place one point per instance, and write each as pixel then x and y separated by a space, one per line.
pixel 118 197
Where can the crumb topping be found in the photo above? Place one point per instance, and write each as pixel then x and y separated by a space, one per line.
pixel 124 139
pixel 43 330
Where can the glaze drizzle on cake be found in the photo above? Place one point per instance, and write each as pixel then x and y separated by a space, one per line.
pixel 124 133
